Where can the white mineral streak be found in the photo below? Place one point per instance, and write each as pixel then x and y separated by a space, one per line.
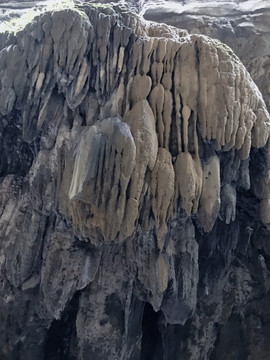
pixel 210 196
pixel 228 204
pixel 142 125
pixel 39 82
pixel 83 74
pixel 86 159
pixel 156 101
pixel 188 183
pixel 162 189
pixel 120 59
pixel 162 273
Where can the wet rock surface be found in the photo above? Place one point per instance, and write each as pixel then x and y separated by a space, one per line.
pixel 134 193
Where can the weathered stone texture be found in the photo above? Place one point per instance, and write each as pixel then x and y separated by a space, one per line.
pixel 134 171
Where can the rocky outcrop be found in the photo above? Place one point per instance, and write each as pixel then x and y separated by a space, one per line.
pixel 242 25
pixel 134 193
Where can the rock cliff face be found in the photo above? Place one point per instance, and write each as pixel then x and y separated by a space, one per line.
pixel 241 24
pixel 135 200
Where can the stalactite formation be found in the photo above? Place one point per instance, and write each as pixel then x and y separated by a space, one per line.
pixel 134 191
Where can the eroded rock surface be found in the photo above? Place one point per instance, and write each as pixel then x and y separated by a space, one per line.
pixel 135 206
pixel 241 24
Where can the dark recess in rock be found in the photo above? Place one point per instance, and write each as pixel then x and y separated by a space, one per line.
pixel 151 334
pixel 61 342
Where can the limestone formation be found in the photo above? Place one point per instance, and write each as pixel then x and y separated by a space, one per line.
pixel 134 191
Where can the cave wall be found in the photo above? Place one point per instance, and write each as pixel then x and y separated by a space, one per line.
pixel 134 193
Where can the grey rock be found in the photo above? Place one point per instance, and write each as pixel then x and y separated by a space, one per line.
pixel 134 192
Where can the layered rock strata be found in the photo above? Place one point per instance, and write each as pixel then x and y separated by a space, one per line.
pixel 134 193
